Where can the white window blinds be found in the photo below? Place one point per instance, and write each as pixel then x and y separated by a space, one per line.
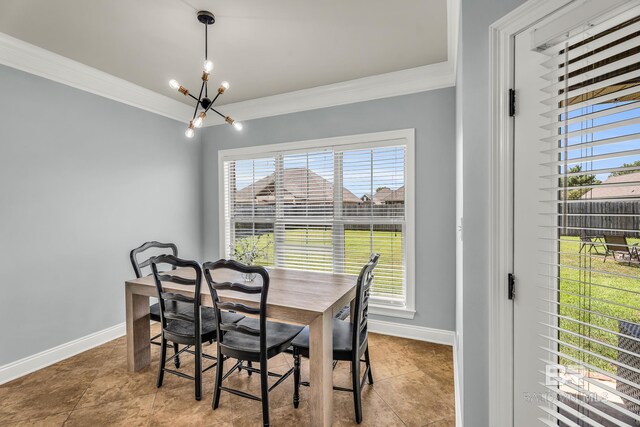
pixel 323 209
pixel 592 308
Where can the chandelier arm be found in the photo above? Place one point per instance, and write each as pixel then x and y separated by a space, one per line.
pixel 211 105
pixel 192 96
pixel 195 111
pixel 218 113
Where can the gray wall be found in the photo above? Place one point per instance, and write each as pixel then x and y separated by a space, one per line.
pixel 432 115
pixel 473 76
pixel 83 180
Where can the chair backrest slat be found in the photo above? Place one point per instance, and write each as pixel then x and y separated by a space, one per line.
pixel 175 297
pixel 234 306
pixel 135 253
pixel 246 289
pixel 361 315
pixel 261 310
pixel 164 296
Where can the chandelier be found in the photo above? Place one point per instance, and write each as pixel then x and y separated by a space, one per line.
pixel 204 104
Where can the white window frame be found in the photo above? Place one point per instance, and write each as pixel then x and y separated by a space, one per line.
pixel 405 137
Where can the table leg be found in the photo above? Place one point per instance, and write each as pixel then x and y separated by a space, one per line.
pixel 352 309
pixel 138 348
pixel 321 372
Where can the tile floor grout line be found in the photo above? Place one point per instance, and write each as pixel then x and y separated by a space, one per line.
pixel 387 403
pixel 153 405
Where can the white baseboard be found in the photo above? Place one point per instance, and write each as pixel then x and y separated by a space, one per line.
pixel 438 336
pixel 48 357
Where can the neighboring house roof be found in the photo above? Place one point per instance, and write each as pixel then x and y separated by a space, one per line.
pixel 295 185
pixel 396 196
pixel 380 195
pixel 613 187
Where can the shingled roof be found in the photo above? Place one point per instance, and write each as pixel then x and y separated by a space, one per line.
pixel 295 185
pixel 396 196
pixel 614 188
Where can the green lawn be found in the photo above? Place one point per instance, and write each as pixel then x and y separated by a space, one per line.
pixel 358 246
pixel 575 292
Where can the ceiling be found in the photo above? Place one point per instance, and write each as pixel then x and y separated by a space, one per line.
pixel 261 47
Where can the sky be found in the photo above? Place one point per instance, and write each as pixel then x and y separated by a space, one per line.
pixel 629 129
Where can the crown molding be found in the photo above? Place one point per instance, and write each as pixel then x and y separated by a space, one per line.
pixel 32 59
pixel 403 82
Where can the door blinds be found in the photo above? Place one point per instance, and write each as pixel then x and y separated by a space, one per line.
pixel 324 209
pixel 592 306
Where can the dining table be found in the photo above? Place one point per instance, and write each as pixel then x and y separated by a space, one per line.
pixel 299 297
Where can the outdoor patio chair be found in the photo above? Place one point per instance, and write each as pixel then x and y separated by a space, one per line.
pixel 591 243
pixel 619 245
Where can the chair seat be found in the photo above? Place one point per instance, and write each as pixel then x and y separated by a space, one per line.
pixel 185 329
pixel 342 340
pixel 247 347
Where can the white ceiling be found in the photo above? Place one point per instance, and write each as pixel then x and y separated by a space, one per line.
pixel 261 47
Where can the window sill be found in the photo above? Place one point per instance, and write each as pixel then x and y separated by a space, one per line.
pixel 391 311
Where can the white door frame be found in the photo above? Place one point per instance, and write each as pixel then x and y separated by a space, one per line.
pixel 501 52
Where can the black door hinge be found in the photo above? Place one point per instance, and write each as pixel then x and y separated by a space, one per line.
pixel 512 286
pixel 512 102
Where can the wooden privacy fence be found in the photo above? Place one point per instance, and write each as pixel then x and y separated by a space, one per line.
pixel 594 218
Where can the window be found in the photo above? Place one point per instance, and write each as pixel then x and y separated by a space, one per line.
pixel 325 206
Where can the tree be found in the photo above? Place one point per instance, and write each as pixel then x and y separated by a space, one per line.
pixel 382 188
pixel 627 165
pixel 579 181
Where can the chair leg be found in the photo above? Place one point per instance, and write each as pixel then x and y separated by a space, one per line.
pixel 198 370
pixel 176 357
pixel 264 386
pixel 296 377
pixel 368 361
pixel 249 364
pixel 163 359
pixel 219 374
pixel 355 380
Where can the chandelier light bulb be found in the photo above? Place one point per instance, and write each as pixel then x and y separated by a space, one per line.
pixel 237 125
pixel 174 84
pixel 208 66
pixel 197 123
pixel 190 132
pixel 225 85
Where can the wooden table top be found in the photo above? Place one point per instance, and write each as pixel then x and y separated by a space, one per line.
pixel 294 296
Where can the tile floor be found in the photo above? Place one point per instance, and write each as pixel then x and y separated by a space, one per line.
pixel 413 387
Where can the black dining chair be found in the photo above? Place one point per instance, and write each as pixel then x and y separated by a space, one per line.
pixel 252 339
pixel 191 324
pixel 139 265
pixel 350 342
